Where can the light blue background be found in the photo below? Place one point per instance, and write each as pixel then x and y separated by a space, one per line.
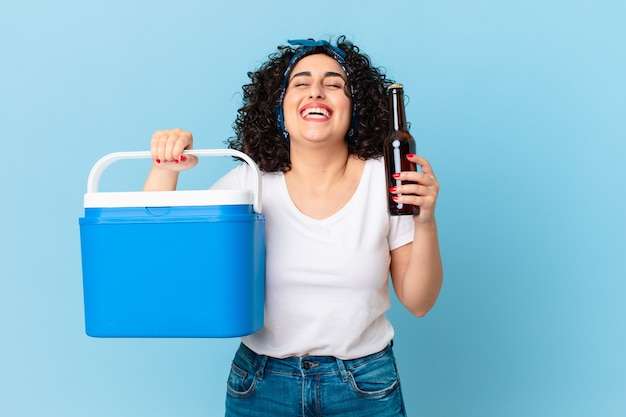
pixel 519 105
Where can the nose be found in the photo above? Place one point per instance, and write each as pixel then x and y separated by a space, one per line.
pixel 316 90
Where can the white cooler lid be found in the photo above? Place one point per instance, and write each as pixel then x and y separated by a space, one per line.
pixel 168 198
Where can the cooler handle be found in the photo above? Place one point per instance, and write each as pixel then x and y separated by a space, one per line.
pixel 105 161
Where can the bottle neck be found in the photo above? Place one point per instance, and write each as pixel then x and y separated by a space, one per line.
pixel 396 107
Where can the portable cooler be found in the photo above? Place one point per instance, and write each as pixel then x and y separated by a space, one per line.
pixel 172 263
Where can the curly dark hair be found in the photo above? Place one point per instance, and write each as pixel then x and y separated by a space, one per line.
pixel 256 127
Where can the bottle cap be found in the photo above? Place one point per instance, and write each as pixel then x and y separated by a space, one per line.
pixel 392 86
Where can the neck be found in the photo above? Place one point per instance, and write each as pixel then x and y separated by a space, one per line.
pixel 319 166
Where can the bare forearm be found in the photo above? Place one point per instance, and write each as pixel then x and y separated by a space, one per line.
pixel 160 179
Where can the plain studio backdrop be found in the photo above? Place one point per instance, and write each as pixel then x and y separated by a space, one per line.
pixel 519 105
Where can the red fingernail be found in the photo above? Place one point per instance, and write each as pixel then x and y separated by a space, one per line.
pixel 158 161
pixel 396 175
pixel 394 197
pixel 176 160
pixel 410 155
pixel 392 189
pixel 183 158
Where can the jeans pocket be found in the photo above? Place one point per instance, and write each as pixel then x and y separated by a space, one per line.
pixel 375 379
pixel 241 383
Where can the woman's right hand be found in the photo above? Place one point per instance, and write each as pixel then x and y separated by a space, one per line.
pixel 167 148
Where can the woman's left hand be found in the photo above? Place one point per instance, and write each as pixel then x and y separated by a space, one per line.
pixel 422 193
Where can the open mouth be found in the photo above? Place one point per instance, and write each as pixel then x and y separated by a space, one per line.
pixel 315 113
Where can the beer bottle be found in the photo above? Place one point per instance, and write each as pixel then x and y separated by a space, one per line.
pixel 398 144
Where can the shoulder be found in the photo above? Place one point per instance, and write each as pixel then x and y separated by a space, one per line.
pixel 377 163
pixel 242 176
pixel 374 169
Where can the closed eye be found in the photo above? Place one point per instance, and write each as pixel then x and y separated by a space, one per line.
pixel 301 79
pixel 332 79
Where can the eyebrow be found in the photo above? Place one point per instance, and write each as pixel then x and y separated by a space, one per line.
pixel 327 74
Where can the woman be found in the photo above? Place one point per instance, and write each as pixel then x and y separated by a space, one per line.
pixel 314 119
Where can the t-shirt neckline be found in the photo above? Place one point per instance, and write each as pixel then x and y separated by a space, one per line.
pixel 337 214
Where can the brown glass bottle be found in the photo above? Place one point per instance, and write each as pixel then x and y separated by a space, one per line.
pixel 398 144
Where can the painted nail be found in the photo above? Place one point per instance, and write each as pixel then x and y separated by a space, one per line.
pixel 394 197
pixel 392 189
pixel 183 158
pixel 410 155
pixel 176 160
pixel 158 161
pixel 396 175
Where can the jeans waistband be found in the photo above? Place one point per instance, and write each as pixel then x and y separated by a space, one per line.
pixel 309 364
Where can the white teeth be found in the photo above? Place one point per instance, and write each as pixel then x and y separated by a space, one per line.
pixel 315 113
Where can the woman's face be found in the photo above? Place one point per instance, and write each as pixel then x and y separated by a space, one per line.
pixel 315 106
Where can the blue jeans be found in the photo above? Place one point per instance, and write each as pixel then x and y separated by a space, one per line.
pixel 262 386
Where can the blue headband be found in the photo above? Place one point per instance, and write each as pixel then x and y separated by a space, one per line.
pixel 306 46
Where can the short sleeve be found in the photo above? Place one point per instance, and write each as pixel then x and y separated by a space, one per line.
pixel 240 177
pixel 401 231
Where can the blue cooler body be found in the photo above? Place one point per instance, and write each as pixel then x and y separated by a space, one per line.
pixel 173 263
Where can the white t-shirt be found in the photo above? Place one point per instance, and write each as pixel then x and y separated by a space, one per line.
pixel 327 281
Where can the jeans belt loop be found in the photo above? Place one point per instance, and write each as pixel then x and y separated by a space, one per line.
pixel 260 362
pixel 345 375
